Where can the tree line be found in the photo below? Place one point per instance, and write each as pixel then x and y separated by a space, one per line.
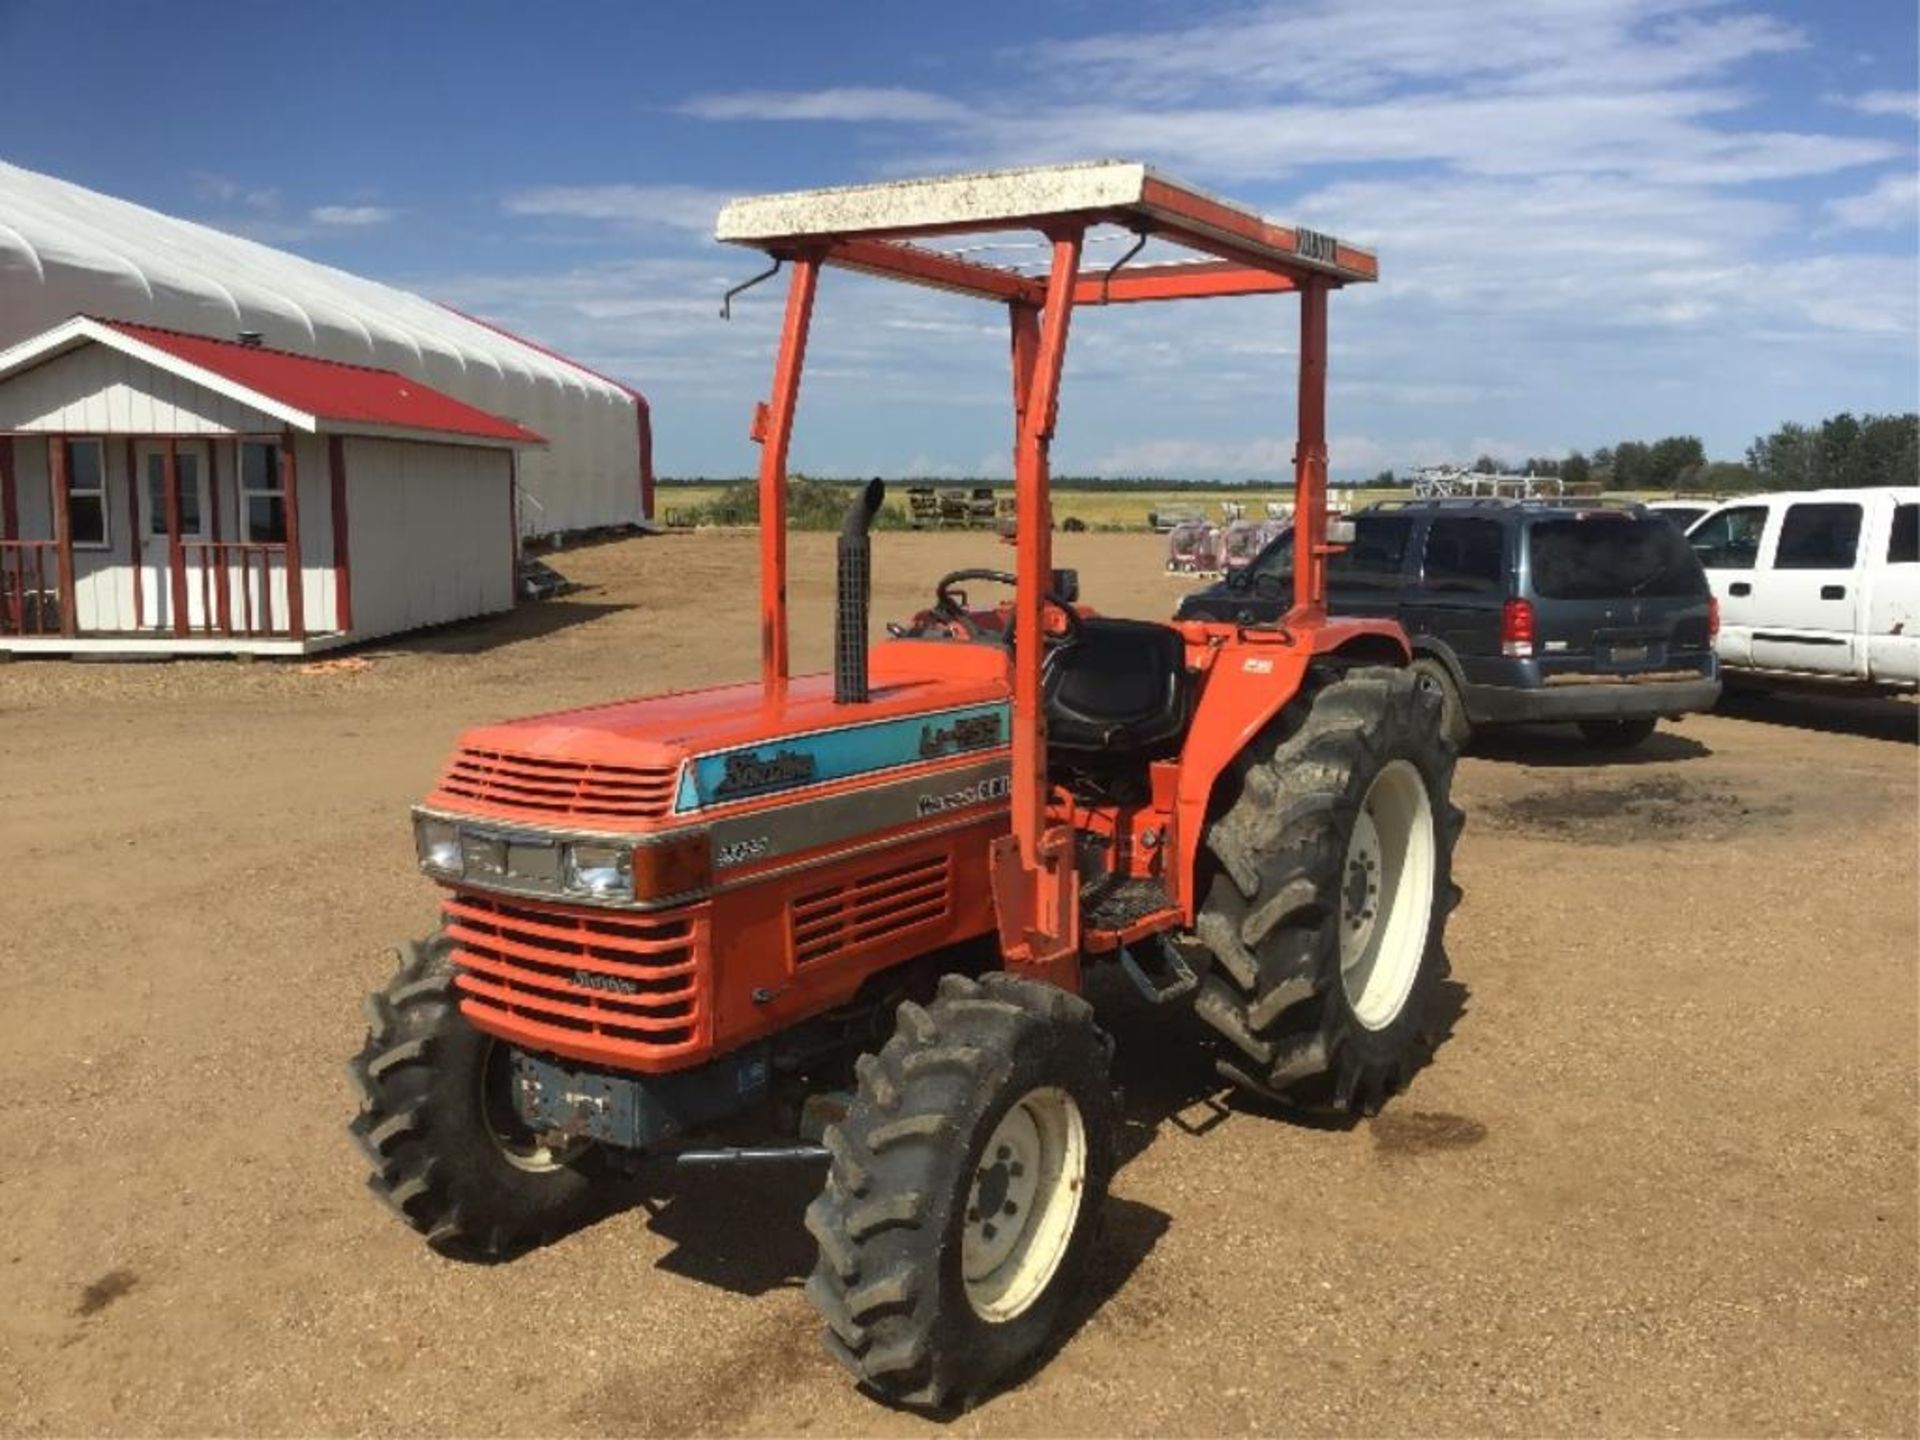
pixel 1841 452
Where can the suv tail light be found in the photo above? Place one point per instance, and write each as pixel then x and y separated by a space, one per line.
pixel 1713 618
pixel 1516 629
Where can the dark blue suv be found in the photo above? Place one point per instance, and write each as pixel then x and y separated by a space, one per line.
pixel 1518 610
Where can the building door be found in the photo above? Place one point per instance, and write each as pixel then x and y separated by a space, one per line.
pixel 156 545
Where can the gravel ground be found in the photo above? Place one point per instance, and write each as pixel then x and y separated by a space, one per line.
pixel 1662 1179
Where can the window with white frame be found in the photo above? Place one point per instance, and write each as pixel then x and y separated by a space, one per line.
pixel 87 495
pixel 263 494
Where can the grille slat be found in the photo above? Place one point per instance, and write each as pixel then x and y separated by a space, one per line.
pixel 859 912
pixel 595 959
pixel 518 962
pixel 559 786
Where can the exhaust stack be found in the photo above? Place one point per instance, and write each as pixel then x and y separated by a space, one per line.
pixel 853 596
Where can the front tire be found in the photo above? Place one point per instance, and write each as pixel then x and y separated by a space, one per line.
pixel 1326 916
pixel 966 1180
pixel 449 1154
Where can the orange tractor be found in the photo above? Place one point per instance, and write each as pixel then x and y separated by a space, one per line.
pixel 858 908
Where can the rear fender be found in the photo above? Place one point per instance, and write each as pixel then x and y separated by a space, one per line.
pixel 1249 677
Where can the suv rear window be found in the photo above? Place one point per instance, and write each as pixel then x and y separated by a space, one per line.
pixel 1606 556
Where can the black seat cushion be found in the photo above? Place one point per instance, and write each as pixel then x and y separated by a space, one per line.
pixel 1118 686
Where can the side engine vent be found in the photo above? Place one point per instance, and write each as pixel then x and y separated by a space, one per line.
pixel 859 912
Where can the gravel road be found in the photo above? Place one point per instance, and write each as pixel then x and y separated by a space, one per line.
pixel 1662 1178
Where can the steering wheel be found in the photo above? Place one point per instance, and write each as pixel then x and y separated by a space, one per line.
pixel 951 607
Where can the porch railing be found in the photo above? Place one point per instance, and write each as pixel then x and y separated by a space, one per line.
pixel 29 587
pixel 249 567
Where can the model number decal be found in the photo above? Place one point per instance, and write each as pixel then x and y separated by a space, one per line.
pixel 997 787
pixel 738 852
pixel 1312 245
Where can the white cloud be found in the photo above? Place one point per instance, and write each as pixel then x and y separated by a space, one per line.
pixel 351 216
pixel 1892 203
pixel 225 190
pixel 677 207
pixel 1905 103
pixel 860 104
pixel 1577 205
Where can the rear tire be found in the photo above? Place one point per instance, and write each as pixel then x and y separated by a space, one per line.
pixel 1326 916
pixel 1617 734
pixel 449 1155
pixel 966 1181
pixel 1432 676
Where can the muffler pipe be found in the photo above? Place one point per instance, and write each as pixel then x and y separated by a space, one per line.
pixel 853 596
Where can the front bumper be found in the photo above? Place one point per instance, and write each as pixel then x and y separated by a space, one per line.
pixel 1602 700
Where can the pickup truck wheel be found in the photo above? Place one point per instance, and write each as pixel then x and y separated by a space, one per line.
pixel 1617 734
pixel 964 1187
pixel 1326 916
pixel 1435 679
pixel 450 1155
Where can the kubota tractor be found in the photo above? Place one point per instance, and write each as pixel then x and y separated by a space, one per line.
pixel 666 916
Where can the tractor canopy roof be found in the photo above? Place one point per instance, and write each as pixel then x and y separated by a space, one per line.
pixel 870 228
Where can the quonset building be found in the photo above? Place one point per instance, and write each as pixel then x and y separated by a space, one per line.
pixel 67 251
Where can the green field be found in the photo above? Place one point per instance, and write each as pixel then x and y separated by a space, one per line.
pixel 1118 509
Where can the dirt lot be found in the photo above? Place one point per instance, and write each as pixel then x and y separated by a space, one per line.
pixel 1663 1178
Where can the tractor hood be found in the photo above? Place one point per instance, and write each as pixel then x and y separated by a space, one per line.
pixel 638 764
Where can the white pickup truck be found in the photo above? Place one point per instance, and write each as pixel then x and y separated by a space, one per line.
pixel 1820 585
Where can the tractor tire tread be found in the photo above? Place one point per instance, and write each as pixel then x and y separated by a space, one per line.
pixel 1269 916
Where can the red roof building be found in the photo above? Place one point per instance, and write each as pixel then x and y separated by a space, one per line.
pixel 168 491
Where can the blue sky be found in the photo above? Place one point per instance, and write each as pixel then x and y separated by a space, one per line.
pixel 1597 219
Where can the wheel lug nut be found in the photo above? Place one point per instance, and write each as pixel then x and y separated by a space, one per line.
pixel 1002 1153
pixel 973 1214
pixel 1009 1208
pixel 1016 1169
pixel 988 1230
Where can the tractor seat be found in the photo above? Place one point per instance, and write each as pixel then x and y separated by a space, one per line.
pixel 1119 688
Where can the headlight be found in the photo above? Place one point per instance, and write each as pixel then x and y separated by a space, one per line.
pixel 604 872
pixel 438 845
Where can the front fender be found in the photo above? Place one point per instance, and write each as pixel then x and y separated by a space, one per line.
pixel 1248 677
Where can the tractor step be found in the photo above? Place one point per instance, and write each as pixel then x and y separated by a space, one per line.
pixel 1109 904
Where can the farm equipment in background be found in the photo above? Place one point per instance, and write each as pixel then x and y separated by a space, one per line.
pixel 869 898
pixel 1169 518
pixel 1193 548
pixel 956 507
pixel 1243 540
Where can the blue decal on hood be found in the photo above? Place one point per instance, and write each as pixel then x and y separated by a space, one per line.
pixel 793 761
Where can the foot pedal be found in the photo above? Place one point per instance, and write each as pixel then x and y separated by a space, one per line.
pixel 1181 981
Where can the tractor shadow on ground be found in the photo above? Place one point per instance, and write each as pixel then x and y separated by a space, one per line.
pixel 743 1230
pixel 1553 747
pixel 1165 1066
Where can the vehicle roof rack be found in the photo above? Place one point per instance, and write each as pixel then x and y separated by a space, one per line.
pixel 1511 502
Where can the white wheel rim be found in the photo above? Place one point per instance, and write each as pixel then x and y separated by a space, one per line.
pixel 518 1145
pixel 1386 895
pixel 1023 1203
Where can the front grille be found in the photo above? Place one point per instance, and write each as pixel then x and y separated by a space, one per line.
pixel 565 788
pixel 599 986
pixel 858 912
